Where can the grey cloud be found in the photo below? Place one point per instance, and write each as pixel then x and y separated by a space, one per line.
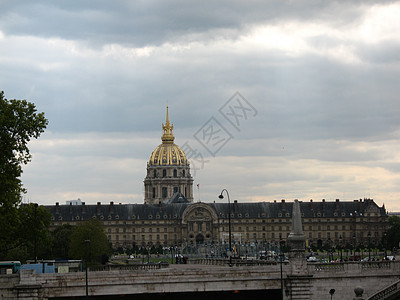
pixel 154 23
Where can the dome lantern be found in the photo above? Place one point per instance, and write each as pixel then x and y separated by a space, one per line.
pixel 168 153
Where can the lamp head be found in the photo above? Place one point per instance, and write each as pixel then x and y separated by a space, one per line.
pixel 221 197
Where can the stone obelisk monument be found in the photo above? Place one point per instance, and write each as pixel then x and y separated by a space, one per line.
pixel 297 243
pixel 299 281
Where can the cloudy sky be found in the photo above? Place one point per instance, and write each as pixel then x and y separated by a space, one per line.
pixel 269 99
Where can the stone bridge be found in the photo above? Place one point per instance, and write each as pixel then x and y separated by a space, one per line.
pixel 295 280
pixel 212 276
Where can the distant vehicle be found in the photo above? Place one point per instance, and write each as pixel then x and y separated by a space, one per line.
pixel 312 259
pixel 9 267
pixel 40 268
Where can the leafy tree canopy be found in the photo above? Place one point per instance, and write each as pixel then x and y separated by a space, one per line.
pixel 61 241
pixel 19 123
pixel 89 242
pixel 393 234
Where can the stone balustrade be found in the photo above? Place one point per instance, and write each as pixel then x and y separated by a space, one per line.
pixel 386 292
pixel 354 267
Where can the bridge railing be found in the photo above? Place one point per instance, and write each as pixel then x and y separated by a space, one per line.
pixel 386 292
pixel 356 267
pixel 128 267
pixel 233 262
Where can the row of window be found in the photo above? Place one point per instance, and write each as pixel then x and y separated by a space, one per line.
pixel 143 237
pixel 124 230
pixel 338 237
pixel 164 173
pixel 206 226
pixel 164 191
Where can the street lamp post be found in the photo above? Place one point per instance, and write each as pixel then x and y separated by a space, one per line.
pixel 35 230
pixel 369 246
pixel 229 224
pixel 329 249
pixel 385 241
pixel 281 256
pixel 87 242
pixel 331 292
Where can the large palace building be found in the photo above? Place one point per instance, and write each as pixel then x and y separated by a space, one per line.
pixel 169 217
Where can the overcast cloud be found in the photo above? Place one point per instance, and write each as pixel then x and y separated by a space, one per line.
pixel 322 77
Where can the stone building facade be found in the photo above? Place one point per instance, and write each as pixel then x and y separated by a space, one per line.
pixel 169 217
pixel 336 223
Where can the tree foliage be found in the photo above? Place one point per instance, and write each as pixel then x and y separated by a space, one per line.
pixel 393 234
pixel 19 123
pixel 61 238
pixel 89 242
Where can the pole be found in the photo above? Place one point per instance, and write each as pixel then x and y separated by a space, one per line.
pixel 281 261
pixel 229 224
pixel 87 242
pixel 87 287
pixel 35 230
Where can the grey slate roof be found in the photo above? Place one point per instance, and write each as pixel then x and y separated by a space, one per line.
pixel 175 210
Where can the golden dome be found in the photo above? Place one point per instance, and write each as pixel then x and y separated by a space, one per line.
pixel 168 153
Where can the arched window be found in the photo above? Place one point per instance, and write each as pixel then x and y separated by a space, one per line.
pixel 175 173
pixel 183 173
pixel 164 173
pixel 155 174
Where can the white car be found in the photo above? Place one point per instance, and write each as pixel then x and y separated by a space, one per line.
pixel 312 259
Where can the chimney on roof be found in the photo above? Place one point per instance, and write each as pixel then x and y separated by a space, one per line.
pixel 98 208
pixel 57 208
pixel 83 208
pixel 235 206
pixel 283 204
pixel 337 204
pixel 311 204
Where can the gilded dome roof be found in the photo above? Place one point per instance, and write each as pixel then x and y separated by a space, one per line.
pixel 168 153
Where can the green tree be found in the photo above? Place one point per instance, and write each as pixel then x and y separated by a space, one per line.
pixel 61 237
pixel 89 241
pixel 19 123
pixel 393 233
pixel 33 237
pixel 34 230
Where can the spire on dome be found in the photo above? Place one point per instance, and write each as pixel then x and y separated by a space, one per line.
pixel 168 135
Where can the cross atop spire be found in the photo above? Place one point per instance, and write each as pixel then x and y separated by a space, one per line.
pixel 168 135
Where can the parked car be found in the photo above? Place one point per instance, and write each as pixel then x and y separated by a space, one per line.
pixel 312 259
